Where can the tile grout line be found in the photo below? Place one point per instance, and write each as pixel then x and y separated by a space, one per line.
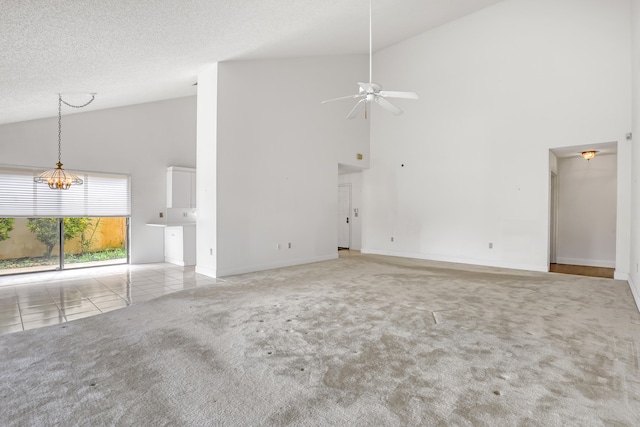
pixel 57 305
pixel 15 291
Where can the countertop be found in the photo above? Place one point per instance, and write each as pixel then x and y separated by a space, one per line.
pixel 171 224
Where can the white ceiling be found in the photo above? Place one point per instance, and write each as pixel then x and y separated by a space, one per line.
pixel 134 51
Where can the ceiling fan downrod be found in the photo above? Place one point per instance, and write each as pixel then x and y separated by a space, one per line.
pixel 372 92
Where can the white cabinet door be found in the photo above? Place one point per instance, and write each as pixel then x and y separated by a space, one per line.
pixel 179 189
pixel 180 244
pixel 189 244
pixel 173 245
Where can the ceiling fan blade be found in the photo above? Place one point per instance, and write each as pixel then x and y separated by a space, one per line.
pixel 396 94
pixel 356 110
pixel 342 97
pixel 388 106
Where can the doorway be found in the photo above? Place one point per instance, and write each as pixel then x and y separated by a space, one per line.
pixel 583 210
pixel 344 211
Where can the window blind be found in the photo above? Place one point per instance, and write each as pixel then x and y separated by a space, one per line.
pixel 101 195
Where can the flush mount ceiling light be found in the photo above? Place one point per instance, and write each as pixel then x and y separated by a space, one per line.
pixel 58 178
pixel 372 92
pixel 588 155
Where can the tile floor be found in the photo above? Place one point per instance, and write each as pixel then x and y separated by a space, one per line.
pixel 29 301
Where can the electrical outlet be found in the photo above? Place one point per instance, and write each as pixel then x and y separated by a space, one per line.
pixel 289 245
pixel 392 239
pixel 184 214
pixel 210 251
pixel 490 245
pixel 161 214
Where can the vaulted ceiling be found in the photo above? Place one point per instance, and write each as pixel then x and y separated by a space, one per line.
pixel 145 50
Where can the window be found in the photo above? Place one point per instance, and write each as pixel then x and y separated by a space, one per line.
pixel 101 195
pixel 90 221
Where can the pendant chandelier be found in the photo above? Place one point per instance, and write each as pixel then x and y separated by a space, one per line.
pixel 58 178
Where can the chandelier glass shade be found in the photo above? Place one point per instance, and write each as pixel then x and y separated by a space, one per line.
pixel 58 178
pixel 588 155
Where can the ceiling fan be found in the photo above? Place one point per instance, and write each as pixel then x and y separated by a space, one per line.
pixel 372 92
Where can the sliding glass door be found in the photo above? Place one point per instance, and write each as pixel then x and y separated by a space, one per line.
pixel 27 246
pixel 42 244
pixel 95 242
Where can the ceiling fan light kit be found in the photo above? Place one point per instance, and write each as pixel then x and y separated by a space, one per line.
pixel 372 92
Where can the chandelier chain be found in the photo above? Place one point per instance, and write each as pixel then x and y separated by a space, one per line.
pixel 59 127
pixel 93 96
pixel 60 102
pixel 58 178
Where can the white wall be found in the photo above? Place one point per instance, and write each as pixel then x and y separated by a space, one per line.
pixel 139 140
pixel 207 173
pixel 498 88
pixel 276 158
pixel 355 179
pixel 634 276
pixel 587 211
pixel 623 211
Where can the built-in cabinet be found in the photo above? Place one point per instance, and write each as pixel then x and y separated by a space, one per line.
pixel 181 187
pixel 180 226
pixel 180 244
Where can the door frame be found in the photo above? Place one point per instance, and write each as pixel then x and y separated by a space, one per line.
pixel 553 219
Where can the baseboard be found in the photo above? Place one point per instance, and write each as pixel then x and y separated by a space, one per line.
pixel 175 261
pixel 270 266
pixel 206 271
pixel 635 291
pixel 587 262
pixel 142 260
pixel 460 260
pixel 621 276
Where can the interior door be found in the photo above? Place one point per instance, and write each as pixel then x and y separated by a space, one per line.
pixel 344 221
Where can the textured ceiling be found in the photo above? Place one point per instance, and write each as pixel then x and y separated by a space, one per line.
pixel 134 51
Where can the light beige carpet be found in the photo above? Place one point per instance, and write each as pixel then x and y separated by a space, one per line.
pixel 359 341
